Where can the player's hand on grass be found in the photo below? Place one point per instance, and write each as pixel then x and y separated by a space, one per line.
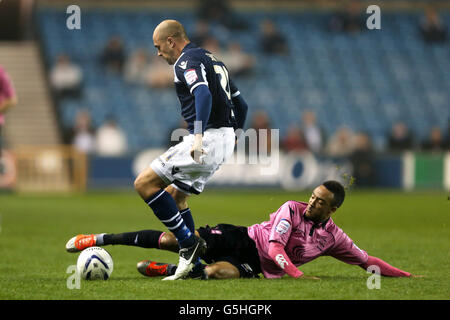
pixel 309 277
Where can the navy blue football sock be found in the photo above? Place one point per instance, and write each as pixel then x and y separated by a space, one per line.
pixel 165 209
pixel 189 221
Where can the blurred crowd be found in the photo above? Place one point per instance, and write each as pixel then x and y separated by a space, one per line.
pixel 213 31
pixel 356 147
pixel 307 135
pixel 107 140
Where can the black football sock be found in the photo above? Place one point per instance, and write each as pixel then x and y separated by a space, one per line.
pixel 171 269
pixel 198 272
pixel 143 239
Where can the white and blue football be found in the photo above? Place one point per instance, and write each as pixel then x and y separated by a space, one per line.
pixel 95 263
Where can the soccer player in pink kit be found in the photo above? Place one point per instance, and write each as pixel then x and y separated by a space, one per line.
pixel 297 233
pixel 300 232
pixel 7 100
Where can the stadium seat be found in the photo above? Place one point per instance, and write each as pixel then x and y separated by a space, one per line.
pixel 366 81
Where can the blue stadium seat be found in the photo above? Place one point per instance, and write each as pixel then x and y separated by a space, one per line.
pixel 366 81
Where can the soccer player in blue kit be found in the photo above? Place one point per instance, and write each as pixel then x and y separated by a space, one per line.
pixel 213 108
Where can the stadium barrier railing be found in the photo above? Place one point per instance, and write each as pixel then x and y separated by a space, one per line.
pixel 58 168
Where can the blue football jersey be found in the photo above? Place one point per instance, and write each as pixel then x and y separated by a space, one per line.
pixel 196 67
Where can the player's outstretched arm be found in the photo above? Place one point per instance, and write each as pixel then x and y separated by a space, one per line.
pixel 279 256
pixel 386 269
pixel 346 251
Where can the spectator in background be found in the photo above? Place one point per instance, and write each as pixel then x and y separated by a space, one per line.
pixel 110 139
pixel 294 141
pixel 261 122
pixel 349 18
pixel 83 133
pixel 341 143
pixel 432 28
pixel 447 137
pixel 313 134
pixel 400 138
pixel 137 68
pixel 272 41
pixel 66 78
pixel 154 73
pixel 435 141
pixel 212 45
pixel 362 160
pixel 201 32
pixel 113 55
pixel 160 75
pixel 238 62
pixel 8 99
pixel 221 12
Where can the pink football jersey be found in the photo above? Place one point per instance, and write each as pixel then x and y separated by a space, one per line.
pixel 6 90
pixel 303 240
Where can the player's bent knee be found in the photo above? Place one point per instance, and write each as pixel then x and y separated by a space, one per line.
pixel 179 197
pixel 169 242
pixel 138 183
pixel 141 181
pixel 141 186
pixel 147 183
pixel 222 270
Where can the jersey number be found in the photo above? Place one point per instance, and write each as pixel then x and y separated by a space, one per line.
pixel 223 72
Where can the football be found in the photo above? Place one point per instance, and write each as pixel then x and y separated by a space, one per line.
pixel 95 263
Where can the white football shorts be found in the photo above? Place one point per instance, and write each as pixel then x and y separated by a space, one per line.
pixel 177 167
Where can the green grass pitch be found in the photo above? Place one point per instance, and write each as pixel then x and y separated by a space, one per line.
pixel 408 230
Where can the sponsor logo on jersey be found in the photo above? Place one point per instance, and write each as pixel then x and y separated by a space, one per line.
pixel 281 260
pixel 283 226
pixel 191 76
